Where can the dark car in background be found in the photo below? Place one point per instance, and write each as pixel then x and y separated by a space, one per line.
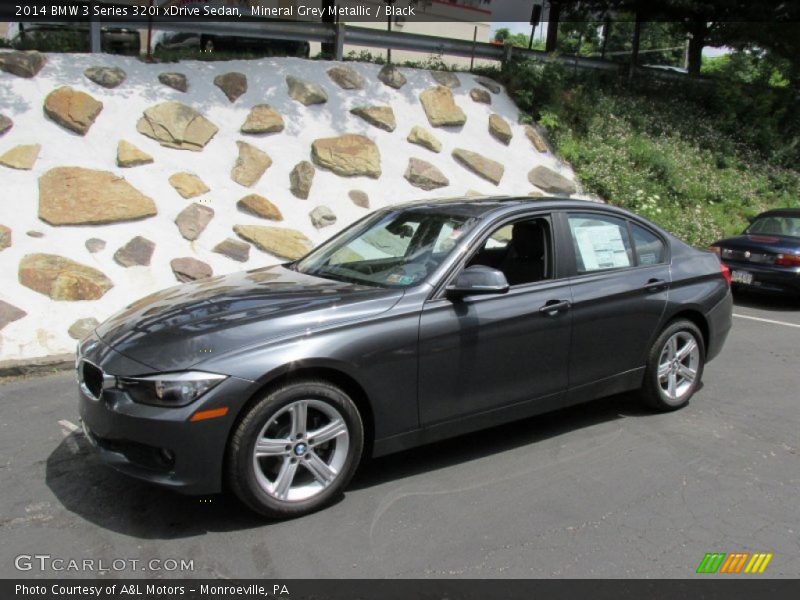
pixel 419 322
pixel 196 42
pixel 74 38
pixel 766 256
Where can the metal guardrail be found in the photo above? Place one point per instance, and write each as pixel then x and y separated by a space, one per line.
pixel 376 38
pixel 339 35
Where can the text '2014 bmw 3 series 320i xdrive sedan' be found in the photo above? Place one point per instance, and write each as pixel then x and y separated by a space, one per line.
pixel 419 322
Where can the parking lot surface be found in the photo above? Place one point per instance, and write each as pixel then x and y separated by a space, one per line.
pixel 606 489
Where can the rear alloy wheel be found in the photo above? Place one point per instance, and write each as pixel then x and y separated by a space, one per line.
pixel 674 366
pixel 296 449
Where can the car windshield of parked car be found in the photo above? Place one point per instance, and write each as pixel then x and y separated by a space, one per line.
pixel 392 249
pixel 774 225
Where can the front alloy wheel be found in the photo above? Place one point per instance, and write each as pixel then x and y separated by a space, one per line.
pixel 674 366
pixel 301 450
pixel 295 449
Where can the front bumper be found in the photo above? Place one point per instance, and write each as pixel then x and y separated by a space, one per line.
pixel 157 444
pixel 768 278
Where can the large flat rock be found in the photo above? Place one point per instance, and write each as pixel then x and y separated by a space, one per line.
pixel 346 78
pixel 259 206
pixel 176 125
pixel 550 181
pixel 22 64
pixel 136 253
pixel 61 278
pixel 441 107
pixel 301 178
pixel 188 185
pixel 78 196
pixel 422 137
pixel 263 119
pixel 250 165
pixel 500 129
pixel 233 85
pixel 233 249
pixel 391 76
pixel 129 155
pixel 381 117
pixel 284 243
pixel 9 313
pixel 107 77
pixel 72 109
pixel 193 220
pixel 306 92
pixel 424 175
pixel 188 269
pixel 348 155
pixel 21 157
pixel 489 169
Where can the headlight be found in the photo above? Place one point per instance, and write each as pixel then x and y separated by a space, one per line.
pixel 169 389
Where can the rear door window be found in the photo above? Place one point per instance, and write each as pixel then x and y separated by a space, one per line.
pixel 649 247
pixel 601 242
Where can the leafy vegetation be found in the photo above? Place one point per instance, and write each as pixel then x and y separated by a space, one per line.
pixel 696 157
pixel 749 66
pixel 520 40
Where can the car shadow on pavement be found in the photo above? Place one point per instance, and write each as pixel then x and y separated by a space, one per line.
pixel 502 438
pixel 113 501
pixel 764 301
pixel 108 499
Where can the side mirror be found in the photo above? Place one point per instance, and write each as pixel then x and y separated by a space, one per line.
pixel 478 280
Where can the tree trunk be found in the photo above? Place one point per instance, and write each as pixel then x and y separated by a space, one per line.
pixel 698 29
pixel 637 33
pixel 552 27
pixel 606 35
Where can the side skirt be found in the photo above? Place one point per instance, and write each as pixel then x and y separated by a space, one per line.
pixel 630 380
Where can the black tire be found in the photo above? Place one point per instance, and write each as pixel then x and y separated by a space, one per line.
pixel 653 392
pixel 242 474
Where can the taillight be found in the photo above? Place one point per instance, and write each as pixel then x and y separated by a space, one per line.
pixel 726 273
pixel 788 260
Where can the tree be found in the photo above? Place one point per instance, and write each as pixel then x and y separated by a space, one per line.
pixel 502 34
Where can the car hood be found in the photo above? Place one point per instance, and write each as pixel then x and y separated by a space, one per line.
pixel 179 327
pixel 771 243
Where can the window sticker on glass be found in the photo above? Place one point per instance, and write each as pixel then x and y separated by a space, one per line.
pixel 601 247
pixel 647 259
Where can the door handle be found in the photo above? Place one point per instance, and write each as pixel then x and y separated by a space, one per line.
pixel 655 285
pixel 553 307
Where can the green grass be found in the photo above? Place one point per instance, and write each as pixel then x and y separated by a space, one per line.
pixel 663 152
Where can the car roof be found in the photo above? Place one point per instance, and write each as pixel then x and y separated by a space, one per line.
pixel 781 212
pixel 476 206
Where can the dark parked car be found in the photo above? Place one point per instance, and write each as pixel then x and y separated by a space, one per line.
pixel 58 37
pixel 213 43
pixel 767 254
pixel 419 322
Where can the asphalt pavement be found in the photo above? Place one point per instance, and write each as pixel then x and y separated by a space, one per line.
pixel 607 489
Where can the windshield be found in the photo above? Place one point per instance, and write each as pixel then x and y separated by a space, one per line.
pixel 776 226
pixel 390 249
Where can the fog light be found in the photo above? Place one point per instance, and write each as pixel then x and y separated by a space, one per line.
pixel 168 456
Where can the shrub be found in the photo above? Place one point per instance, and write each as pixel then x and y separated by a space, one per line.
pixel 696 158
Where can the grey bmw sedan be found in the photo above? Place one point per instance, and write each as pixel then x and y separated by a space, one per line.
pixel 419 322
